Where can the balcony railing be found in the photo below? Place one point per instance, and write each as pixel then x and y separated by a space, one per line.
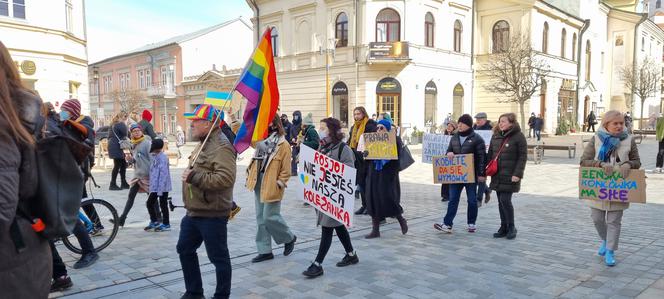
pixel 164 91
pixel 389 52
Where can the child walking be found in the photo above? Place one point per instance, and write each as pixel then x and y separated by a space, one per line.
pixel 160 185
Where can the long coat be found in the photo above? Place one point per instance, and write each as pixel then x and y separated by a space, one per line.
pixel 118 129
pixel 26 274
pixel 383 189
pixel 344 155
pixel 512 160
pixel 276 173
pixel 360 163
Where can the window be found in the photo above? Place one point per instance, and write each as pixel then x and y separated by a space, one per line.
pixel 275 38
pixel 69 16
pixel 563 39
pixel 108 84
pixel 643 44
pixel 73 89
pixel 658 4
pixel 428 30
pixel 545 38
pixel 163 73
pixel 341 30
pixel 148 78
pixel 602 64
pixel 388 26
pixel 141 79
pixel 588 58
pixel 458 29
pixel 574 47
pixel 17 8
pixel 501 36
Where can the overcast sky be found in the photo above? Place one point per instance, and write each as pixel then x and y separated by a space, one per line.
pixel 115 27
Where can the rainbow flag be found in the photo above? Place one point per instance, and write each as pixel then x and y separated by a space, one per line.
pixel 258 83
pixel 216 98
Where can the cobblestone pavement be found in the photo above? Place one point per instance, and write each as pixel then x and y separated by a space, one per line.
pixel 554 254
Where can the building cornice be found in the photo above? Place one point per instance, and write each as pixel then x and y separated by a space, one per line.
pixel 38 29
pixel 303 7
pixel 459 6
pixel 66 57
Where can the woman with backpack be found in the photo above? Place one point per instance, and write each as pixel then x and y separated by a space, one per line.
pixel 25 263
pixel 117 143
pixel 509 150
pixel 332 146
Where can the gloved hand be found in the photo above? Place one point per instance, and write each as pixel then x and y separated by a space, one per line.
pixel 624 170
pixel 365 154
pixel 607 168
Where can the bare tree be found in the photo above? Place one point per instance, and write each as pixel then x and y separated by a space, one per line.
pixel 129 100
pixel 643 81
pixel 516 73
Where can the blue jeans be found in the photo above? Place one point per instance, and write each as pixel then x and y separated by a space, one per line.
pixel 212 231
pixel 453 204
pixel 538 134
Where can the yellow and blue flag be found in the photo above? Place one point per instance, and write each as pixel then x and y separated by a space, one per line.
pixel 217 98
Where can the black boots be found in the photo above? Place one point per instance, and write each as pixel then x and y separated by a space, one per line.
pixel 501 233
pixel 403 224
pixel 375 229
pixel 361 211
pixel 114 187
pixel 508 231
pixel 511 232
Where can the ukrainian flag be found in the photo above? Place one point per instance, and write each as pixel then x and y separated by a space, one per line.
pixel 217 98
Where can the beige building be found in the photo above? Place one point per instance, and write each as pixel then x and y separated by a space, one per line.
pixel 409 58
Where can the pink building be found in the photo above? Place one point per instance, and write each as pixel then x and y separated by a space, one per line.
pixel 150 77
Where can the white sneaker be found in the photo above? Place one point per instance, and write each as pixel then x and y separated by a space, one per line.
pixel 658 169
pixel 472 228
pixel 443 228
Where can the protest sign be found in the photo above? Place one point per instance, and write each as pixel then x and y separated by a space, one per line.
pixel 458 170
pixel 434 145
pixel 486 135
pixel 595 185
pixel 381 146
pixel 327 184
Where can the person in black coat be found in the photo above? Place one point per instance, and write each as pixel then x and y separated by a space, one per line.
pixel 539 125
pixel 511 165
pixel 481 123
pixel 295 129
pixel 118 132
pixel 531 125
pixel 591 121
pixel 383 188
pixel 465 141
pixel 363 124
pixel 287 126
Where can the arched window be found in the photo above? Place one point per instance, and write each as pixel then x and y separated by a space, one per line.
pixel 388 26
pixel 275 39
pixel 341 30
pixel 501 36
pixel 458 29
pixel 430 109
pixel 588 60
pixel 545 38
pixel 340 103
pixel 574 47
pixel 457 101
pixel 563 40
pixel 303 37
pixel 428 30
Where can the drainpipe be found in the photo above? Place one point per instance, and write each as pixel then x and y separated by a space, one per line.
pixel 256 10
pixel 356 50
pixel 404 20
pixel 644 17
pixel 586 25
pixel 472 60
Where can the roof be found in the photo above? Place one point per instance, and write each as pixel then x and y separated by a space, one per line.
pixel 176 40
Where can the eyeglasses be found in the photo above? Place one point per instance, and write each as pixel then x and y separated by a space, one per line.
pixel 381 128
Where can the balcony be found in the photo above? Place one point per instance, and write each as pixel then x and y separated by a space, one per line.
pixel 388 52
pixel 164 91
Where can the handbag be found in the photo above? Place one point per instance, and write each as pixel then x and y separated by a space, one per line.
pixel 405 159
pixel 125 144
pixel 492 168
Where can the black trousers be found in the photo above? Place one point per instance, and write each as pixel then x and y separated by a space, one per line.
pixel 506 209
pixel 445 191
pixel 119 166
pixel 326 241
pixel 153 208
pixel 660 154
pixel 591 126
pixel 59 267
pixel 130 201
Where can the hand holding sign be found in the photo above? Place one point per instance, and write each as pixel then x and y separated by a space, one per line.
pixel 381 145
pixel 459 169
pixel 595 184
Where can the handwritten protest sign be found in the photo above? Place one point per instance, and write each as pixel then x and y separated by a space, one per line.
pixel 595 185
pixel 381 146
pixel 434 145
pixel 486 135
pixel 327 184
pixel 460 169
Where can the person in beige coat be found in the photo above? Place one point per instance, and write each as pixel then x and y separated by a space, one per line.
pixel 612 149
pixel 268 175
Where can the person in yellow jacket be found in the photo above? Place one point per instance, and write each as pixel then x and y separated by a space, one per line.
pixel 267 176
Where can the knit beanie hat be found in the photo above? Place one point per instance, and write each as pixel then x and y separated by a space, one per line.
pixel 135 126
pixel 157 144
pixel 308 120
pixel 147 115
pixel 466 119
pixel 73 106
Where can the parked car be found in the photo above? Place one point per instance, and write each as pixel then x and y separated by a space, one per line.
pixel 102 133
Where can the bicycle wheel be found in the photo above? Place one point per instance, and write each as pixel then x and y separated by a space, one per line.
pixel 98 214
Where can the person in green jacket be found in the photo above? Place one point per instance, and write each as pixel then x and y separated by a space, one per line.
pixel 659 128
pixel 308 135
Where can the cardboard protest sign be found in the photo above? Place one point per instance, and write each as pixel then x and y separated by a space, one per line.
pixel 458 170
pixel 381 146
pixel 595 185
pixel 486 135
pixel 327 184
pixel 434 145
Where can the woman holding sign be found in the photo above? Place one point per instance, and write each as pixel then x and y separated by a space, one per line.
pixel 331 145
pixel 465 141
pixel 509 153
pixel 612 149
pixel 384 188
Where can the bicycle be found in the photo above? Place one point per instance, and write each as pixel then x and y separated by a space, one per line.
pixel 93 213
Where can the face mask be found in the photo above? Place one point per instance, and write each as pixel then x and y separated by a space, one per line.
pixel 64 115
pixel 322 134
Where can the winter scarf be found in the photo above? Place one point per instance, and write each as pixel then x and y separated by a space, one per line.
pixel 358 130
pixel 609 143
